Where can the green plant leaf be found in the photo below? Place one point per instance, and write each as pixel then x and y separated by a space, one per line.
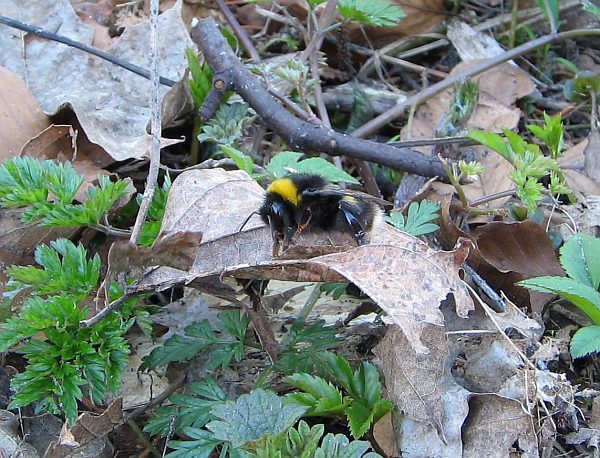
pixel 585 341
pixel 226 126
pixel 201 78
pixel 589 6
pixel 243 161
pixel 287 162
pixel 418 221
pixel 338 446
pixel 320 396
pixel 335 289
pixel 551 133
pixel 251 417
pixel 201 444
pixel 66 269
pixel 550 10
pixel 377 13
pixel 23 181
pixel 493 141
pixel 583 296
pixel 580 257
pixel 176 348
pixel 283 163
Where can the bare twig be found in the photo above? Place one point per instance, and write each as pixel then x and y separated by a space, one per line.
pixel 297 133
pixel 76 44
pixel 156 127
pixel 239 31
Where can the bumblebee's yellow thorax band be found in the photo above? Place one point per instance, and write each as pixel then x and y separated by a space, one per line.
pixel 286 188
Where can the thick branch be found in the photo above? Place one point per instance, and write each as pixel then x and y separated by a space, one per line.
pixel 297 133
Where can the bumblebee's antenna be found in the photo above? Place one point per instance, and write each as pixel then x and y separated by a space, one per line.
pixel 255 212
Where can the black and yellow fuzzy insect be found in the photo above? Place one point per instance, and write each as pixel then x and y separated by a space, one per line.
pixel 297 202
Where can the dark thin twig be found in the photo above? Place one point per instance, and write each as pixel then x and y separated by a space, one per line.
pixel 78 45
pixel 239 31
pixel 295 132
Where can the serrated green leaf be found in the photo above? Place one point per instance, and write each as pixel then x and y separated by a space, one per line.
pixel 65 270
pixel 176 348
pixel 326 169
pixel 253 416
pixel 234 323
pixel 418 221
pixel 360 418
pixel 338 446
pixel 493 141
pixel 323 398
pixel 201 445
pixel 585 341
pixel 303 441
pixel 243 161
pixel 377 13
pixel 23 181
pixel 583 296
pixel 283 163
pixel 580 257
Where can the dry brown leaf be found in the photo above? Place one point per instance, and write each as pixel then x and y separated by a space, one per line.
pixel 88 437
pixel 582 157
pixel 433 405
pixel 383 433
pixel 21 118
pixel 111 103
pixel 522 247
pixel 494 424
pixel 592 153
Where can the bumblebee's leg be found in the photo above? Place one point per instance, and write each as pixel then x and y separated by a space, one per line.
pixel 303 225
pixel 352 215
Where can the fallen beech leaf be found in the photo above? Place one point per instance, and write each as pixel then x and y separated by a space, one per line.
pixel 22 117
pixel 521 247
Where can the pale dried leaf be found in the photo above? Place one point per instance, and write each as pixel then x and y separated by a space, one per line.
pixel 112 104
pixel 494 424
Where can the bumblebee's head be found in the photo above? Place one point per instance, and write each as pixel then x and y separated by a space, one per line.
pixel 282 202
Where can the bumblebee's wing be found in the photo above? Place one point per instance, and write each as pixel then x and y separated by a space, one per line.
pixel 330 191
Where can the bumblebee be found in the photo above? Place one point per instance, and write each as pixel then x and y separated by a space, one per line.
pixel 297 202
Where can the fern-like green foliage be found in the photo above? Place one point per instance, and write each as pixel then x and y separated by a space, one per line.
pixel 69 357
pixel 303 344
pixel 48 189
pixel 529 161
pixel 156 212
pixel 418 220
pixel 580 257
pixel 201 78
pixel 377 13
pixel 199 337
